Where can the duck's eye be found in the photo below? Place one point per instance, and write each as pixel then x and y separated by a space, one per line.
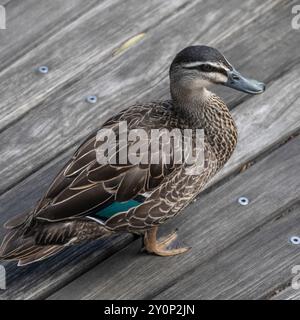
pixel 206 68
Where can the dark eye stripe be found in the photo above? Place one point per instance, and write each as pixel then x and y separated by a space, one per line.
pixel 208 68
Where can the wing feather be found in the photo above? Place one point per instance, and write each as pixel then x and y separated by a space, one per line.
pixel 84 185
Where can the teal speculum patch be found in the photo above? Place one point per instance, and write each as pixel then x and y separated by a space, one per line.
pixel 116 207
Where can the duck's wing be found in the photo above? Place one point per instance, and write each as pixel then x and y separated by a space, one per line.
pixel 174 193
pixel 84 185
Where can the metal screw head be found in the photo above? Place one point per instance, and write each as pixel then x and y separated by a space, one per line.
pixel 92 99
pixel 243 201
pixel 43 69
pixel 295 240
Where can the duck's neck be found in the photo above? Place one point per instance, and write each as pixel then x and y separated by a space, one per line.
pixel 203 109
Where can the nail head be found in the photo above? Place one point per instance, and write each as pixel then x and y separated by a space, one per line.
pixel 92 99
pixel 43 69
pixel 243 201
pixel 295 240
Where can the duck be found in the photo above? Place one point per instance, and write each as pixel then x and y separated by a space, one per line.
pixel 91 199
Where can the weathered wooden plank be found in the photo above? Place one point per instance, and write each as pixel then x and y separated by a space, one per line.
pixel 252 268
pixel 83 45
pixel 42 135
pixel 210 225
pixel 255 137
pixel 30 22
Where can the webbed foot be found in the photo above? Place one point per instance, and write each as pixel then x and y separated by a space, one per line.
pixel 167 246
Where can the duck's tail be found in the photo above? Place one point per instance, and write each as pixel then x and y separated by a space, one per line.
pixel 30 241
pixel 17 246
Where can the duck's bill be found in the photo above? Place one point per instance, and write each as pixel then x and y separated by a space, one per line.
pixel 238 82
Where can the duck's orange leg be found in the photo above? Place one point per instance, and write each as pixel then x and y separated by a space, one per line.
pixel 166 246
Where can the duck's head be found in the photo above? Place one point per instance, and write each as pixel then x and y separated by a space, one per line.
pixel 198 67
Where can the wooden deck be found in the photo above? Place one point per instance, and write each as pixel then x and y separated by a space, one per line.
pixel 238 251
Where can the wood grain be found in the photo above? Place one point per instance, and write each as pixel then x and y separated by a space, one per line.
pixel 252 268
pixel 211 225
pixel 83 45
pixel 31 22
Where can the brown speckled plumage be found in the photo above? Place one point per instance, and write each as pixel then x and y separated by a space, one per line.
pixel 62 217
